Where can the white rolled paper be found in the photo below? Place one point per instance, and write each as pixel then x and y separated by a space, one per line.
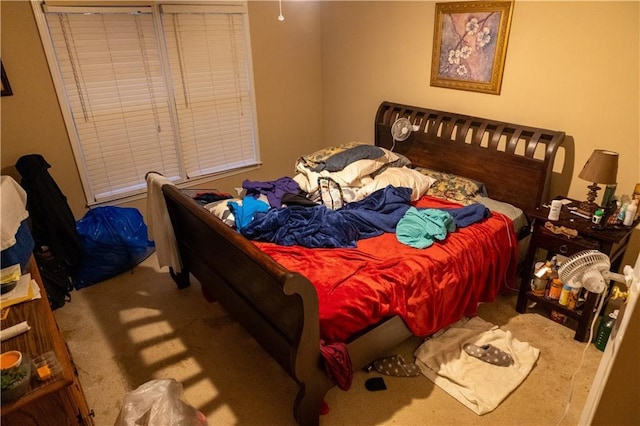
pixel 14 330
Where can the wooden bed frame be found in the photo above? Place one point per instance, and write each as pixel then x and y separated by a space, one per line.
pixel 280 308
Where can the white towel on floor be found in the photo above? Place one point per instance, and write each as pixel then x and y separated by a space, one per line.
pixel 160 229
pixel 477 384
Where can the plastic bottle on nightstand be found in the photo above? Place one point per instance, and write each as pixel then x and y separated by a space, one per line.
pixel 554 210
pixel 625 201
pixel 555 289
pixel 630 214
pixel 540 279
pixel 564 295
pixel 604 331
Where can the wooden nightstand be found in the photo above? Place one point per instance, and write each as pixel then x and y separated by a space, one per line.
pixel 612 241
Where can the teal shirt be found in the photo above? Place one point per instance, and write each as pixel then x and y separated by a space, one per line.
pixel 420 228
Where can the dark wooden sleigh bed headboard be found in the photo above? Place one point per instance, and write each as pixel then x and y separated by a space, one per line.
pixel 477 148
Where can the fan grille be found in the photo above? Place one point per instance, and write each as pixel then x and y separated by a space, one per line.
pixel 401 129
pixel 579 263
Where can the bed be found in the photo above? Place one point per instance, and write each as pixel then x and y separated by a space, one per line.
pixel 259 285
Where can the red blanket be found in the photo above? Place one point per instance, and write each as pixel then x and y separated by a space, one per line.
pixel 429 288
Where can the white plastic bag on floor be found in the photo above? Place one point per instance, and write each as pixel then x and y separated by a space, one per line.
pixel 158 403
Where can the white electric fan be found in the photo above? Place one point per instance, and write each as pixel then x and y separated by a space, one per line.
pixel 590 269
pixel 401 130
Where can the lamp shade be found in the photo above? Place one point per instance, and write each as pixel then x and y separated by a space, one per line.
pixel 601 167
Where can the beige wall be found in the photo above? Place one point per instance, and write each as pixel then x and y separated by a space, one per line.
pixel 31 118
pixel 321 74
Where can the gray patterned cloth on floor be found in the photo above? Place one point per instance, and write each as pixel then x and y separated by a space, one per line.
pixel 396 366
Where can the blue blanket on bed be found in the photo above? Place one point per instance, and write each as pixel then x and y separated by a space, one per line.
pixel 319 226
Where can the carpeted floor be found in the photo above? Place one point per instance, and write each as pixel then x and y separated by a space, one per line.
pixel 138 326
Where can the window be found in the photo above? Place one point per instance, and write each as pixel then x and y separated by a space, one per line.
pixel 167 88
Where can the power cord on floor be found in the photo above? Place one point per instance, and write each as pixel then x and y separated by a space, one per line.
pixel 584 351
pixel 509 231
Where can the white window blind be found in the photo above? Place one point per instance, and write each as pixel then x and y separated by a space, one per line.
pixel 164 89
pixel 210 73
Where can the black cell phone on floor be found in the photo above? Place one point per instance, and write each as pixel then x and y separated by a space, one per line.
pixel 375 384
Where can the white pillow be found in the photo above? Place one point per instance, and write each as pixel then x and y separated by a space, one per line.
pixel 399 177
pixel 359 169
pixel 221 210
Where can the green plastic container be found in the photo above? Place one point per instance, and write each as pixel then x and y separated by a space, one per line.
pixel 604 331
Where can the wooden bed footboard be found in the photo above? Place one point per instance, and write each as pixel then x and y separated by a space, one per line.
pixel 279 308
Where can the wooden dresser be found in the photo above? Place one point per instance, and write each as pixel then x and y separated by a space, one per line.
pixel 59 401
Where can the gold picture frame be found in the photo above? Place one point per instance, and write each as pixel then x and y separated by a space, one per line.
pixel 470 45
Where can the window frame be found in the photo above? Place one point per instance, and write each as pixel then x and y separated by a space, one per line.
pixel 155 6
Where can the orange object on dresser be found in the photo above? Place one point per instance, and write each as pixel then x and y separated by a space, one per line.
pixel 10 359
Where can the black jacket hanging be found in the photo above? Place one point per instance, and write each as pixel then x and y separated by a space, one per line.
pixel 52 222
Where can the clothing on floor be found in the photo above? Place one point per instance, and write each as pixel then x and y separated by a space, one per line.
pixel 337 363
pixel 479 385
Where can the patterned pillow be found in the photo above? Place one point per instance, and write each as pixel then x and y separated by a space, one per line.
pixel 338 162
pixel 453 187
pixel 323 154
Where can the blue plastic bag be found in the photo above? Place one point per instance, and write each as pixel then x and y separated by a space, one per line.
pixel 115 239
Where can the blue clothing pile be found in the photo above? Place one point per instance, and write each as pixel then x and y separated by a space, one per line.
pixel 319 226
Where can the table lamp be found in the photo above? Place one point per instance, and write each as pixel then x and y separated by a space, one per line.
pixel 601 167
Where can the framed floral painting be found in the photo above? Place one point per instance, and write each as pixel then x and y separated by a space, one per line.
pixel 470 45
